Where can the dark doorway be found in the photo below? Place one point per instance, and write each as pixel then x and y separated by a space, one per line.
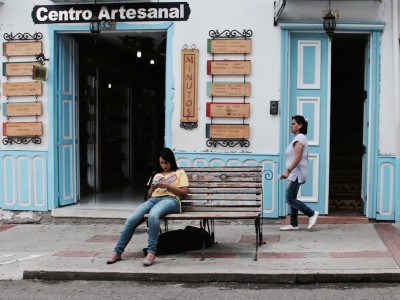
pixel 346 143
pixel 121 109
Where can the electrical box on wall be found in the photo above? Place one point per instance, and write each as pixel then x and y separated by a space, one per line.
pixel 273 107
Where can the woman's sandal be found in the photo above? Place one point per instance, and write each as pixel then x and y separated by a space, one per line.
pixel 114 259
pixel 148 262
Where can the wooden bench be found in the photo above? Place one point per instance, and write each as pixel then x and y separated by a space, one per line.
pixel 223 193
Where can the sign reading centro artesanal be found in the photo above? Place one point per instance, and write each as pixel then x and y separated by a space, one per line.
pixel 135 12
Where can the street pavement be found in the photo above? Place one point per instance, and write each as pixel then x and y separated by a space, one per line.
pixel 368 252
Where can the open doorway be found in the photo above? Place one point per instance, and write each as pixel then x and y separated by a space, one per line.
pixel 121 112
pixel 346 135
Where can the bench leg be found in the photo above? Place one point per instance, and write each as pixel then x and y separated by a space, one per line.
pixel 204 224
pixel 259 236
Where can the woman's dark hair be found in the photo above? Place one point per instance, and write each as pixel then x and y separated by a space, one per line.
pixel 169 156
pixel 301 121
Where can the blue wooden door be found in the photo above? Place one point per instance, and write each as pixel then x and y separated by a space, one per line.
pixel 364 183
pixel 66 121
pixel 309 78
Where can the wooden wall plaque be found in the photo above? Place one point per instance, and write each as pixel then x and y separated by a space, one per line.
pixel 227 131
pixel 19 68
pixel 16 129
pixel 229 46
pixel 189 90
pixel 228 110
pixel 228 89
pixel 228 67
pixel 21 109
pixel 22 48
pixel 28 88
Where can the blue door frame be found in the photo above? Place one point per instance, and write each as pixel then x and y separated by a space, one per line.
pixel 57 181
pixel 370 173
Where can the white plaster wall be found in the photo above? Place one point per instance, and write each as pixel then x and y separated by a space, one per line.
pixel 388 110
pixel 256 15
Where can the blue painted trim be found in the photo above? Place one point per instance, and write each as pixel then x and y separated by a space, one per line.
pixel 397 190
pixel 284 117
pixel 340 25
pixel 374 124
pixel 53 31
pixel 386 189
pixel 169 87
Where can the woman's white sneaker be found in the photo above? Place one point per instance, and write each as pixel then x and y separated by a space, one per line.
pixel 289 228
pixel 313 220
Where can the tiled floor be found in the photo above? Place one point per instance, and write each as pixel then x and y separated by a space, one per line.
pixel 125 197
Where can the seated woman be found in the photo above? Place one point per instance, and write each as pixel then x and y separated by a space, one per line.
pixel 169 185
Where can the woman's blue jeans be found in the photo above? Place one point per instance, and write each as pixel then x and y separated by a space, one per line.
pixel 292 189
pixel 157 208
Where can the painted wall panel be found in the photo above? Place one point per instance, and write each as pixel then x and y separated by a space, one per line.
pixel 23 181
pixel 386 190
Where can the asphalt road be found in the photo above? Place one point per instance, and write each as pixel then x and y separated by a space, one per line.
pixel 43 290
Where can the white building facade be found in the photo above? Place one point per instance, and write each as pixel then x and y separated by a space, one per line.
pixel 105 114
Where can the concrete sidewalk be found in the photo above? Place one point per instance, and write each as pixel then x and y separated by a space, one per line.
pixel 327 253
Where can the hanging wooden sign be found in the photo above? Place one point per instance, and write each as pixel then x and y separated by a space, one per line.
pixel 189 90
pixel 227 131
pixel 228 46
pixel 19 68
pixel 27 129
pixel 29 88
pixel 228 89
pixel 228 110
pixel 21 109
pixel 22 48
pixel 228 67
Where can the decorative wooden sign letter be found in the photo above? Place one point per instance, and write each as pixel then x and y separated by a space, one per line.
pixel 189 84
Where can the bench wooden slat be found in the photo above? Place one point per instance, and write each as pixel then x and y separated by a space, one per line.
pixel 224 169
pixel 224 197
pixel 221 209
pixel 238 203
pixel 230 190
pixel 237 185
pixel 224 176
pixel 212 215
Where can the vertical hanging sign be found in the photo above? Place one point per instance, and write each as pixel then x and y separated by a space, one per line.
pixel 189 101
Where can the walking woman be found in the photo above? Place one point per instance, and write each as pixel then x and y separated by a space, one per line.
pixel 169 185
pixel 296 174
